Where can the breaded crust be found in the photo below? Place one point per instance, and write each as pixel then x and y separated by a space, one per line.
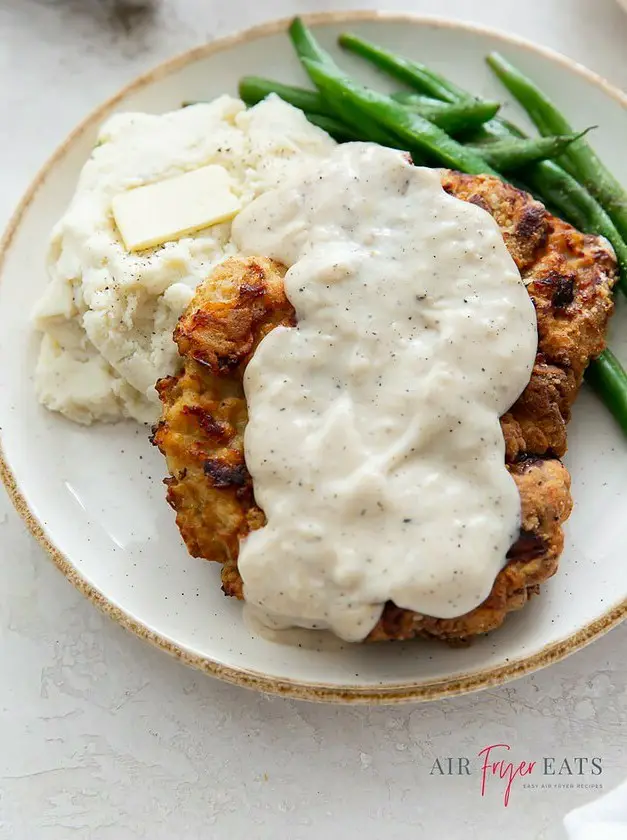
pixel 569 275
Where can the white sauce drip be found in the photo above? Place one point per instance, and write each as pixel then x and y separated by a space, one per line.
pixel 374 440
pixel 273 630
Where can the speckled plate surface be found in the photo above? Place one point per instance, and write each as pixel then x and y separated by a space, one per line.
pixel 94 499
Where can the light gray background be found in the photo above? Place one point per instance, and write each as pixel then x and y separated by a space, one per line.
pixel 101 736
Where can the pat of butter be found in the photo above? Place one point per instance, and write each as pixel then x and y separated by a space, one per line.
pixel 161 212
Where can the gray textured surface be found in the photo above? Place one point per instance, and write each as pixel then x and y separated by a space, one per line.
pixel 102 737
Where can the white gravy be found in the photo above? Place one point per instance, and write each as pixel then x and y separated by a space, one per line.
pixel 374 441
pixel 260 623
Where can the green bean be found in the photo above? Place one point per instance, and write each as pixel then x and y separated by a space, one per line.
pixel 307 48
pixel 454 118
pixel 413 74
pixel 608 378
pixel 382 110
pixel 493 132
pixel 306 45
pixel 541 110
pixel 252 89
pixel 514 153
pixel 410 97
pixel 579 159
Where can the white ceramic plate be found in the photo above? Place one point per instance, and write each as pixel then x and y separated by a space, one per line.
pixel 94 498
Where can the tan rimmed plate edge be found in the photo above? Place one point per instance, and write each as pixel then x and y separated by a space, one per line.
pixel 392 693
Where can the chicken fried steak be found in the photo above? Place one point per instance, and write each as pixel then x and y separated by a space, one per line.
pixel 569 278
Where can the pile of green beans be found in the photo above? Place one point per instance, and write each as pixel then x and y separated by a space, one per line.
pixel 441 124
pixel 452 117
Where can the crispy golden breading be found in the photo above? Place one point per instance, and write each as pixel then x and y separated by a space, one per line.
pixel 569 276
pixel 201 433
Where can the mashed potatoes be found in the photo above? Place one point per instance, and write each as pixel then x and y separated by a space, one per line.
pixel 108 314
